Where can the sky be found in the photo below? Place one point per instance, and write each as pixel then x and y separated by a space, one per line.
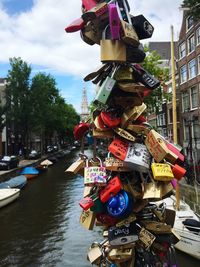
pixel 34 31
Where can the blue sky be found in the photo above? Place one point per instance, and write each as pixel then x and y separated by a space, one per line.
pixel 34 31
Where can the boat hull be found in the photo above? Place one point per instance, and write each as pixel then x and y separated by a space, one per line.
pixel 8 195
pixel 30 176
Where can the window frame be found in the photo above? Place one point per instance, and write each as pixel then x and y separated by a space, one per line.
pixel 190 70
pixel 191 98
pixel 186 71
pixel 187 23
pixel 198 36
pixel 181 51
pixel 190 44
pixel 185 95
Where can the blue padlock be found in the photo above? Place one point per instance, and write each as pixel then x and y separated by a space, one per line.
pixel 120 205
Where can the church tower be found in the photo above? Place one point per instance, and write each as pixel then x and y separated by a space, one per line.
pixel 84 106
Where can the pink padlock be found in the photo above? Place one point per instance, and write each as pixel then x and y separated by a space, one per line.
pixel 114 22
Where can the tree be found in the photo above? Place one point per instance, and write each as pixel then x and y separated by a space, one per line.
pixel 18 106
pixel 193 7
pixel 152 65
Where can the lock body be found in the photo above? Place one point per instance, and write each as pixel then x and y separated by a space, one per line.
pixel 112 188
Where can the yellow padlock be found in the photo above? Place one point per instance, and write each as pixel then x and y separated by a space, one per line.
pixel 162 172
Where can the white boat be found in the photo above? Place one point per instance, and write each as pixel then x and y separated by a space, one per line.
pixel 186 225
pixel 8 195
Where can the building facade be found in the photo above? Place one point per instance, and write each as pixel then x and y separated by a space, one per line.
pixel 189 83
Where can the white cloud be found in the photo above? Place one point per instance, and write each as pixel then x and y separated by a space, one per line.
pixel 38 35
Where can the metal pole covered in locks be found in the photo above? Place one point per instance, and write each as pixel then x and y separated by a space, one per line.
pixel 138 166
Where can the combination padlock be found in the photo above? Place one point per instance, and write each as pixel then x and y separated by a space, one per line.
pixel 120 205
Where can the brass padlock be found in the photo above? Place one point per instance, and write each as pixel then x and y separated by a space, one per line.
pixel 94 254
pixel 120 254
pixel 87 219
pixel 77 166
pixel 102 134
pixel 114 164
pixel 128 34
pixel 132 114
pixel 146 237
pixel 131 87
pixel 124 74
pixel 125 134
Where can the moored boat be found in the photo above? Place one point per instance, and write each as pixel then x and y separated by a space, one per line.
pixel 186 225
pixel 30 172
pixel 8 195
pixel 17 182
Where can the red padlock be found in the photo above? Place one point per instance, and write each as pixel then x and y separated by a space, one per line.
pixel 119 148
pixel 86 203
pixel 75 26
pixel 172 148
pixel 88 4
pixel 112 188
pixel 80 130
pixel 140 120
pixel 98 122
pixel 109 119
pixel 178 171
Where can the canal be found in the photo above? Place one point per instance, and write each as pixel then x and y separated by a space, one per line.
pixel 41 228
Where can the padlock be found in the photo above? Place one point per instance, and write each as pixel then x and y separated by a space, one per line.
pixel 123 235
pixel 142 26
pixel 124 74
pixel 158 148
pixel 94 254
pixel 102 134
pixel 128 101
pixel 120 205
pixel 113 164
pixel 77 166
pixel 131 87
pixel 99 124
pixel 174 149
pixel 120 254
pixel 88 4
pixel 87 219
pixel 132 114
pixel 86 203
pixel 112 188
pixel 156 227
pixel 125 134
pixel 162 172
pixel 138 129
pixel 177 171
pixel 106 88
pixel 114 21
pixel 135 154
pixel 135 54
pixel 76 25
pixel 90 34
pixel 131 218
pixel 95 175
pixel 112 50
pixel 141 75
pixel 128 34
pixel 99 11
pixel 80 130
pixel 110 119
pixel 146 237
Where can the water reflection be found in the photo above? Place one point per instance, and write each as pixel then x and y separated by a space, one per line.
pixel 41 229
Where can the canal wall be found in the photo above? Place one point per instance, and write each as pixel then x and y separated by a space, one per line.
pixel 191 195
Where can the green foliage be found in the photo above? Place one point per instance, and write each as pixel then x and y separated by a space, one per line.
pixel 193 8
pixel 36 107
pixel 152 64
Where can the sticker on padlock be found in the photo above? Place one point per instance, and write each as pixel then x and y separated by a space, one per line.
pixel 95 175
pixel 106 89
pixel 112 188
pixel 162 172
pixel 122 235
pixel 135 154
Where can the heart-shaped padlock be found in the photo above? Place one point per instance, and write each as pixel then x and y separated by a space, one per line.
pixel 80 130
pixel 120 205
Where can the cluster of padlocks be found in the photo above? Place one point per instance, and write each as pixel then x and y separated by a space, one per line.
pixel 141 166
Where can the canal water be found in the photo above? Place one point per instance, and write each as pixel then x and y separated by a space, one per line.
pixel 41 228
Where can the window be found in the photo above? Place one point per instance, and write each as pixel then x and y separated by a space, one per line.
pixel 183 73
pixel 191 44
pixel 186 131
pixel 190 22
pixel 198 36
pixel 182 50
pixel 185 101
pixel 170 116
pixel 192 68
pixel 194 97
pixel 196 128
pixel 198 63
